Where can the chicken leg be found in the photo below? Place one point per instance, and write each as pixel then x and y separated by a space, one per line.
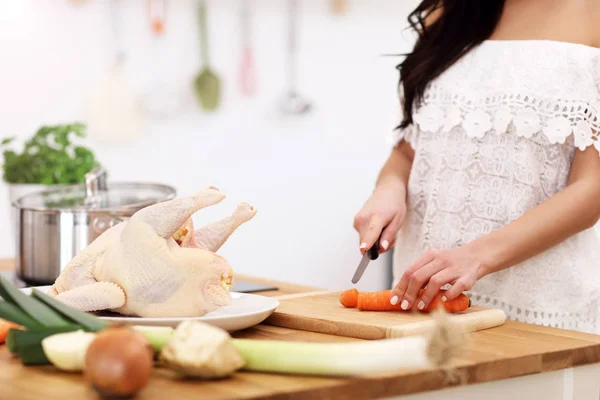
pixel 212 236
pixel 94 297
pixel 178 211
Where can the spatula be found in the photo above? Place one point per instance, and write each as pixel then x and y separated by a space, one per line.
pixel 207 84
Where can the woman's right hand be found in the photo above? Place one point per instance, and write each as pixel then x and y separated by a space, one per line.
pixel 384 210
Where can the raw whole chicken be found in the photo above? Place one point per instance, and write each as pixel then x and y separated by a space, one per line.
pixel 155 264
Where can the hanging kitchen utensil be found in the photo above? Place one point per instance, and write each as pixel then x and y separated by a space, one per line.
pixel 207 84
pixel 157 10
pixel 293 102
pixel 162 98
pixel 247 72
pixel 113 109
pixel 339 7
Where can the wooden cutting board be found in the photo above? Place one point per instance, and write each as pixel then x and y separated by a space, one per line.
pixel 322 312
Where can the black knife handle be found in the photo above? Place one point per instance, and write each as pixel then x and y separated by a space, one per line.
pixel 374 251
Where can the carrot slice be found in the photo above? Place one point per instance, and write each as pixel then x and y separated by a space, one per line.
pixel 349 298
pixel 380 301
pixel 5 326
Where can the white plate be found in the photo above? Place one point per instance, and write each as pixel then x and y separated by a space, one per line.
pixel 245 311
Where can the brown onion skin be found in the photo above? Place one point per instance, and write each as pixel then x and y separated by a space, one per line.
pixel 118 362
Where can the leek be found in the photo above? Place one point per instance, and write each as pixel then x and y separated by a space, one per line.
pixel 333 359
pixel 12 313
pixel 354 358
pixel 11 344
pixel 158 336
pixel 34 309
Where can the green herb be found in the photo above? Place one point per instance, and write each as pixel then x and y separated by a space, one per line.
pixel 63 203
pixel 32 307
pixel 49 157
pixel 88 321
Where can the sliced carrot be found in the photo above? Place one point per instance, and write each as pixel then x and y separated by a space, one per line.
pixel 5 326
pixel 349 298
pixel 380 301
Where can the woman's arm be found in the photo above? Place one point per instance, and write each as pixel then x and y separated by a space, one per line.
pixel 398 165
pixel 386 208
pixel 570 211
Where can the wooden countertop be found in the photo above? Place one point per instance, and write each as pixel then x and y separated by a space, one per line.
pixel 514 349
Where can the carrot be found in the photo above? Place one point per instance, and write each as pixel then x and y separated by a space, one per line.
pixel 375 301
pixel 460 303
pixel 5 326
pixel 380 301
pixel 349 298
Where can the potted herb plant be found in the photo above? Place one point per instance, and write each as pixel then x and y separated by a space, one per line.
pixel 48 158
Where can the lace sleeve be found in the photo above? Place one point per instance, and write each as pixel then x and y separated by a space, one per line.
pixel 408 134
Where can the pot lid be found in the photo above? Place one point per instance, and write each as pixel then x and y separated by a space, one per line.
pixel 97 195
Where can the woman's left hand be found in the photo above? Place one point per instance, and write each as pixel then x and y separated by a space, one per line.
pixel 461 267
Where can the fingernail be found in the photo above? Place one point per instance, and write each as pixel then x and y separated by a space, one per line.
pixel 394 300
pixel 421 305
pixel 363 245
pixel 404 305
pixel 444 298
pixel 385 244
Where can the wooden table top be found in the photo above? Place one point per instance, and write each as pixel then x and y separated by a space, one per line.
pixel 514 349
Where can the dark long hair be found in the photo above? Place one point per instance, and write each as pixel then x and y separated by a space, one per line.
pixel 459 26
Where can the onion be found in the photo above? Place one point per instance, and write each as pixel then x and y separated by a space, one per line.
pixel 66 351
pixel 118 362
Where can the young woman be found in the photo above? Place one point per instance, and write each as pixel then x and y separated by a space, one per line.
pixel 493 185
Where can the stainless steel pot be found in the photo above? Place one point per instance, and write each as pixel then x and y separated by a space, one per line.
pixel 52 226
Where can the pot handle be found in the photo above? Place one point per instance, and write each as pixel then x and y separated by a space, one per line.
pixel 95 186
pixel 105 222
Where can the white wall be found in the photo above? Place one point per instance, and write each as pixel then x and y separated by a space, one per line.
pixel 307 176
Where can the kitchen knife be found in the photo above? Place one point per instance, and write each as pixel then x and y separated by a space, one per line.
pixel 371 254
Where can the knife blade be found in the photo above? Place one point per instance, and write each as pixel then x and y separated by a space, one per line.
pixel 371 254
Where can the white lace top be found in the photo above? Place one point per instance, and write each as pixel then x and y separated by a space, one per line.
pixel 495 136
